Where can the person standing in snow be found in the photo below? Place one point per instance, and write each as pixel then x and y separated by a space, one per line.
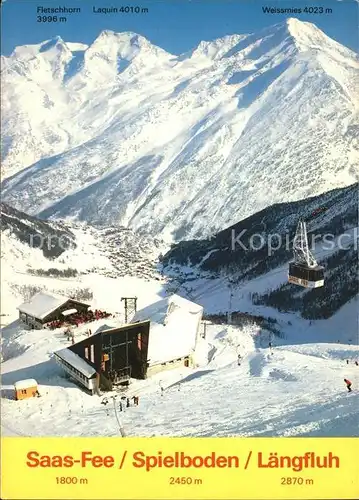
pixel 127 402
pixel 270 347
pixel 349 385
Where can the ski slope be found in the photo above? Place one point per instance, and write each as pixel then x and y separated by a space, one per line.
pixel 296 391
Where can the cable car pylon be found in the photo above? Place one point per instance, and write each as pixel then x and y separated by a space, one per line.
pixel 304 271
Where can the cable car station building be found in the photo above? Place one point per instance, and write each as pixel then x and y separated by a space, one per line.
pixel 161 336
pixel 110 357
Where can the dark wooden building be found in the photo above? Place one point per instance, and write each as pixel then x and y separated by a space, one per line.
pixel 43 308
pixel 115 354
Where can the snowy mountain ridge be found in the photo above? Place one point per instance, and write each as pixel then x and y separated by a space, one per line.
pixel 122 132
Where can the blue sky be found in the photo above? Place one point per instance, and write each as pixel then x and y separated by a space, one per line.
pixel 174 25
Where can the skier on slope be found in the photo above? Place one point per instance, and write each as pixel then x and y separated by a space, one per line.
pixel 349 385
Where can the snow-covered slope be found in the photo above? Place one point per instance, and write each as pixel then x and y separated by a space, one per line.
pixel 296 391
pixel 122 131
pixel 52 238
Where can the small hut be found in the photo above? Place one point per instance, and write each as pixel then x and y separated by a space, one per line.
pixel 26 389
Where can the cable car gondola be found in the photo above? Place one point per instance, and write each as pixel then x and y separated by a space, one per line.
pixel 304 271
pixel 305 276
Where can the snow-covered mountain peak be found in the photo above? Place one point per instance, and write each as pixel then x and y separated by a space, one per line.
pixel 287 39
pixel 108 37
pixel 124 43
pixel 56 42
pixel 110 46
pixel 40 63
pixel 76 47
pixel 216 49
pixel 307 36
pixel 131 134
pixel 112 53
pixel 47 48
pixel 107 56
pixel 266 40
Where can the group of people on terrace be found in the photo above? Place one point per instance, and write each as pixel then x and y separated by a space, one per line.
pixel 78 318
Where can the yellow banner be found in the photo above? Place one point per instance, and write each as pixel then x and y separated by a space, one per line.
pixel 162 468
